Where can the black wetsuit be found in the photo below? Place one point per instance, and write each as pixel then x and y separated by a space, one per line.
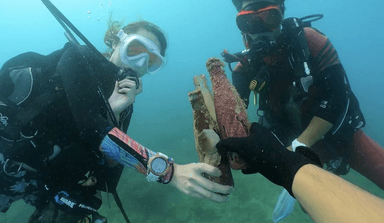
pixel 75 119
pixel 329 96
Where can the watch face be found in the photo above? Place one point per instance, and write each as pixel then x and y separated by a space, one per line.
pixel 158 165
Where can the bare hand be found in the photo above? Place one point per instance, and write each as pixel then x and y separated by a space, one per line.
pixel 188 179
pixel 124 95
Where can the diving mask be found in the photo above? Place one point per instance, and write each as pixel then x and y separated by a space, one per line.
pixel 254 20
pixel 149 62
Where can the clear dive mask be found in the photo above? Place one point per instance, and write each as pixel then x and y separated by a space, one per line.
pixel 146 62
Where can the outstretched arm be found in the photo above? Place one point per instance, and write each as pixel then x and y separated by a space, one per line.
pixel 329 198
pixel 325 196
pixel 186 178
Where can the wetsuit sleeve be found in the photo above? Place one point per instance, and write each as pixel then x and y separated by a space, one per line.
pixel 128 152
pixel 329 79
pixel 323 52
pixel 123 149
pixel 332 102
pixel 241 78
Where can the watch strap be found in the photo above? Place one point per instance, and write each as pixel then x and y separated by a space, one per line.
pixel 168 177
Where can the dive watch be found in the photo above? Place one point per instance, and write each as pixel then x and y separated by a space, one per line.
pixel 160 168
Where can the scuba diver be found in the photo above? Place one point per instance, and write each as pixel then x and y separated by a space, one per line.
pixel 304 95
pixel 301 89
pixel 63 123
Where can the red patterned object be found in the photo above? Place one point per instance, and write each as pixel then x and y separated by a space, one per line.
pixel 216 117
pixel 230 110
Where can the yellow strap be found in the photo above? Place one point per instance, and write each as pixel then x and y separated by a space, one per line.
pixel 261 87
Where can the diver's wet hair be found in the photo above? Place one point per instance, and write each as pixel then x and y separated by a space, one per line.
pixel 110 38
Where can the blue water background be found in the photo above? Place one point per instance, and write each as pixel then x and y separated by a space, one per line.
pixel 162 121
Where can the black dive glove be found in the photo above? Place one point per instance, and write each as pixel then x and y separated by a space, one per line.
pixel 265 154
